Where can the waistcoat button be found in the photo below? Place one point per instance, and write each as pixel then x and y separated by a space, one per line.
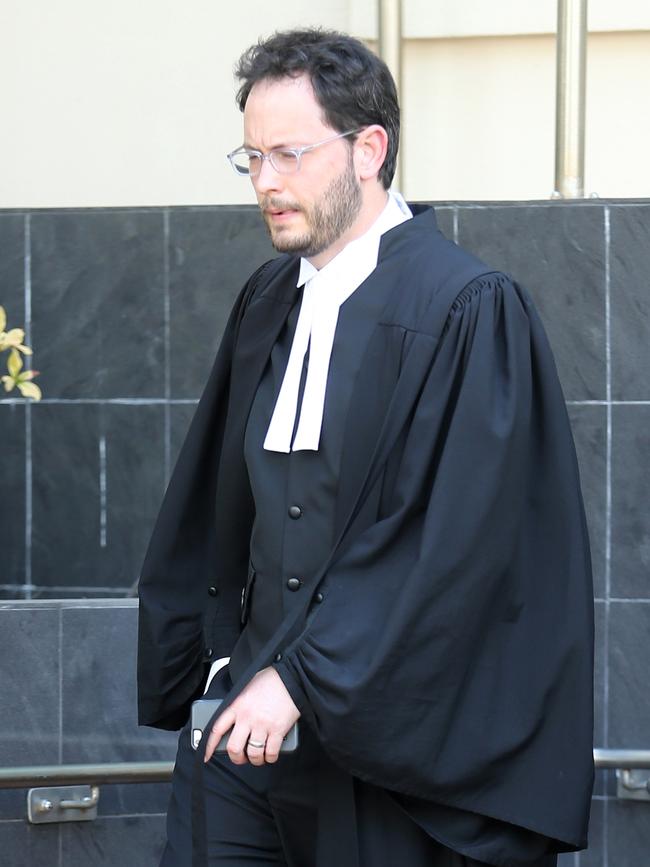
pixel 278 657
pixel 319 597
pixel 295 512
pixel 207 653
pixel 212 591
pixel 294 583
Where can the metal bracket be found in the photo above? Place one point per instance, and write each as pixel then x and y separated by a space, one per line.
pixel 62 804
pixel 632 785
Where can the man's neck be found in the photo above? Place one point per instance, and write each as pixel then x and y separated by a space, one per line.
pixel 374 203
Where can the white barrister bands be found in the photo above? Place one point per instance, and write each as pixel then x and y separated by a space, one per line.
pixel 323 294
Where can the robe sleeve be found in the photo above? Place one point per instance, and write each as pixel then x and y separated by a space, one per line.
pixel 451 657
pixel 181 557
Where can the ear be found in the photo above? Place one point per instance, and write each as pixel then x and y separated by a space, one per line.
pixel 370 149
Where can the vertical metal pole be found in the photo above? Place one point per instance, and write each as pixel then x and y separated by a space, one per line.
pixel 389 15
pixel 570 99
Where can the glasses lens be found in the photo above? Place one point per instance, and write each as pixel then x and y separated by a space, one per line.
pixel 284 162
pixel 245 163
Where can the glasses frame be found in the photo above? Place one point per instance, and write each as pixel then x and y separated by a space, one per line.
pixel 297 152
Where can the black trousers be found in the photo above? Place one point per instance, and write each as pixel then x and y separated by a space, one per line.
pixel 269 815
pixel 302 811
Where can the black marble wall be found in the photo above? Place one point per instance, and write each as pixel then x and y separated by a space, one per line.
pixel 124 309
pixel 69 697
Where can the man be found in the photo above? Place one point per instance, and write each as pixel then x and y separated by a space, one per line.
pixel 376 516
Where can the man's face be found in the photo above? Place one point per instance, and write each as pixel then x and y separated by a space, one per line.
pixel 309 212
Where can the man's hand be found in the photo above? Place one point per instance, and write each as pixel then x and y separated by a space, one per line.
pixel 259 717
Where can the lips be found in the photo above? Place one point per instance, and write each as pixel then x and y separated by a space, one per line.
pixel 277 209
pixel 277 215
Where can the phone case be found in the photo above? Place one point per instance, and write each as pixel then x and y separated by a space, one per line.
pixel 204 708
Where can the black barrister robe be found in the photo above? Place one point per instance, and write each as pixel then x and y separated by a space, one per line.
pixel 451 659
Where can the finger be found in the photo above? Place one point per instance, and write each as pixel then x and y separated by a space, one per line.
pixel 236 745
pixel 223 724
pixel 255 748
pixel 273 744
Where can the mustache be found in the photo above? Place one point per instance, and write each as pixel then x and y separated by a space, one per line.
pixel 269 203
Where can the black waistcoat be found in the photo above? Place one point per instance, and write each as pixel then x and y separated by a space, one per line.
pixel 295 493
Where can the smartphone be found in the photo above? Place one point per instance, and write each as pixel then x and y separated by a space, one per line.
pixel 204 708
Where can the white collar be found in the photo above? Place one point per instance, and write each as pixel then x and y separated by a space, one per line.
pixel 324 292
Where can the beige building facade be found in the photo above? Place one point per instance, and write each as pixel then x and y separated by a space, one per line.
pixel 131 104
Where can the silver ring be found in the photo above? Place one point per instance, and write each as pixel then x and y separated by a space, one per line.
pixel 256 744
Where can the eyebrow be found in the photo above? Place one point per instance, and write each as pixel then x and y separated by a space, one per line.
pixel 274 148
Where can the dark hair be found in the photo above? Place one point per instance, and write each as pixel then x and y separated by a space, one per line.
pixel 353 86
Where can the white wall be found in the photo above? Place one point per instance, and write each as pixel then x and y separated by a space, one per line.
pixel 618 119
pixel 472 129
pixel 434 19
pixel 131 103
pixel 479 117
pixel 127 102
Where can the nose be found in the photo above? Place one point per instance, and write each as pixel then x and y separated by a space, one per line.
pixel 268 181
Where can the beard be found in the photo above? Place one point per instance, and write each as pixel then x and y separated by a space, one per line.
pixel 327 219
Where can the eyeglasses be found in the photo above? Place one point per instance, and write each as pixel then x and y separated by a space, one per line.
pixel 285 161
